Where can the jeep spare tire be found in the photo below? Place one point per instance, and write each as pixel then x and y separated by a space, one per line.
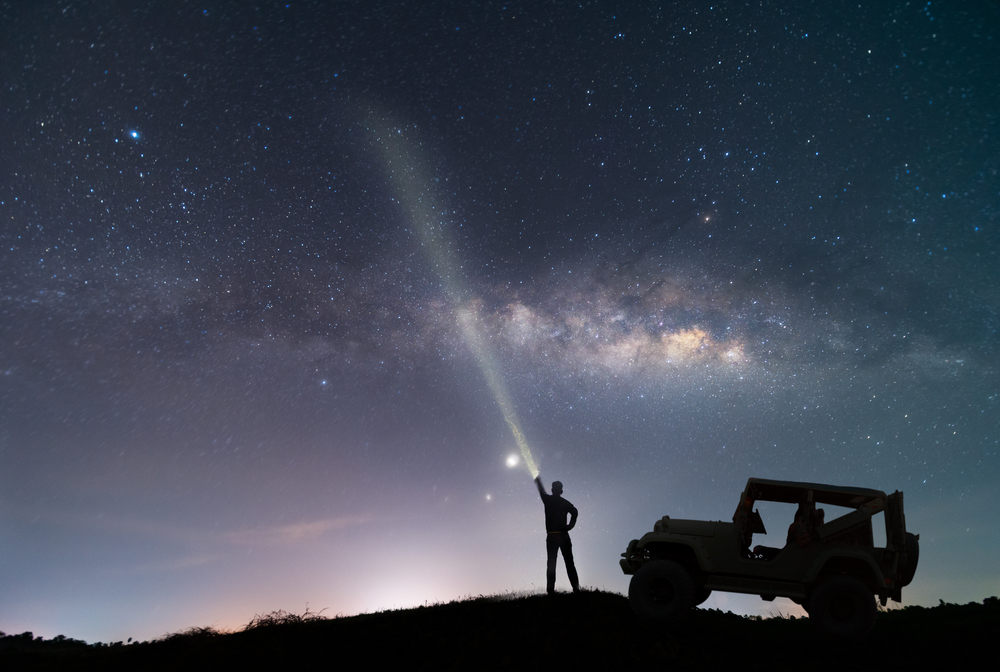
pixel 662 590
pixel 843 607
pixel 912 556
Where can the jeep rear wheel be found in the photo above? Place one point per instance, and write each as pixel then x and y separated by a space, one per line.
pixel 662 590
pixel 843 607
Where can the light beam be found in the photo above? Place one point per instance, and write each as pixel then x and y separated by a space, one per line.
pixel 415 194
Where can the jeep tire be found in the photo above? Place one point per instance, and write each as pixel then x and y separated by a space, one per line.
pixel 661 590
pixel 912 556
pixel 843 607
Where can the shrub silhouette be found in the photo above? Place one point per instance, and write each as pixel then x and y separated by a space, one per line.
pixel 283 618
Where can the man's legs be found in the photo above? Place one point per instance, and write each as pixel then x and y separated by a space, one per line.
pixel 551 548
pixel 567 551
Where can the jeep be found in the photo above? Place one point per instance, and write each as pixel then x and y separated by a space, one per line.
pixel 832 568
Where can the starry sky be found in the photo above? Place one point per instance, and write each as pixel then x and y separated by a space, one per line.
pixel 700 241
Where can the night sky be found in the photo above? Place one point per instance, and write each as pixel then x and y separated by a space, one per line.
pixel 701 241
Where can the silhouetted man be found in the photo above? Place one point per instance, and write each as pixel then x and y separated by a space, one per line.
pixel 557 537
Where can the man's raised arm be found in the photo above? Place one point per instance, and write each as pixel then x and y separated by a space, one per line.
pixel 541 488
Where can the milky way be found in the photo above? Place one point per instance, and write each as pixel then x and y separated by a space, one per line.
pixel 701 243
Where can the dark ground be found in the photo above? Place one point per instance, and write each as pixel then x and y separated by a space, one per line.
pixel 565 632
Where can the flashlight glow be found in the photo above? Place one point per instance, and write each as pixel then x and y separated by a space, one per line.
pixel 414 191
pixel 488 365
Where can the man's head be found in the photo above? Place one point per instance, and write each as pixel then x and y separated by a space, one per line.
pixel 556 487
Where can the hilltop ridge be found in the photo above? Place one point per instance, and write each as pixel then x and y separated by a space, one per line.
pixel 535 632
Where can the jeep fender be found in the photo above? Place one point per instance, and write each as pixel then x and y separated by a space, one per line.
pixel 846 560
pixel 682 549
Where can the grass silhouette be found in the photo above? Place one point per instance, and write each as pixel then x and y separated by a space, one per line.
pixel 528 632
pixel 278 618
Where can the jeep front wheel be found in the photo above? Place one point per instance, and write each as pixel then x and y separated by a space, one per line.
pixel 843 607
pixel 662 590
